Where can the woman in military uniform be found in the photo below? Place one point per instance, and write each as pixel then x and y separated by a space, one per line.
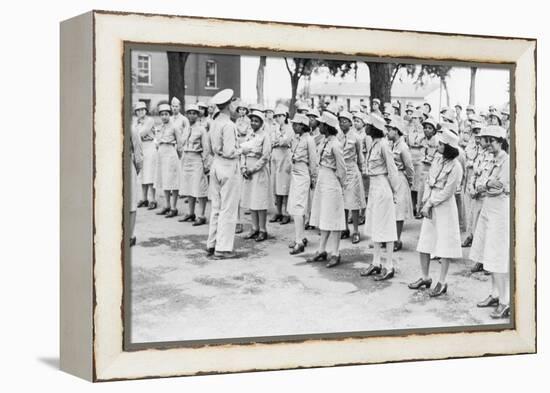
pixel 414 139
pixel 440 232
pixel 430 144
pixel 403 162
pixel 281 141
pixel 303 176
pixel 169 166
pixel 256 191
pixel 492 237
pixel 354 191
pixel 380 221
pixel 145 129
pixel 327 211
pixel 195 166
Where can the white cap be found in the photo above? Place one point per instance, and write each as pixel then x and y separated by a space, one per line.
pixel 329 119
pixel 314 112
pixel 164 108
pixel 395 123
pixel 140 105
pixel 430 120
pixel 378 122
pixel 192 107
pixel 258 114
pixel 300 118
pixel 362 116
pixel 449 138
pixel 222 97
pixel 346 115
pixel 201 104
pixel 494 131
pixel 175 101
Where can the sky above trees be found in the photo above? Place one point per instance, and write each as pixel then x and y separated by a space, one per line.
pixel 491 83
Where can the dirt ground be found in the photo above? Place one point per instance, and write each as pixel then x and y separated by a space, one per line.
pixel 178 293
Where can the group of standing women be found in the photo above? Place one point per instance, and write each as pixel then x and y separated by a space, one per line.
pixel 332 168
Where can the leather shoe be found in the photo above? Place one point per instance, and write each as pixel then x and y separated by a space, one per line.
pixel 293 244
pixel 318 257
pixel 164 211
pixel 362 220
pixel 172 213
pixel 369 271
pixel 224 254
pixel 356 238
pixel 210 251
pixel 421 283
pixel 468 241
pixel 187 217
pixel 261 236
pixel 285 220
pixel 298 249
pixel 345 234
pixel 309 227
pixel 152 205
pixel 333 261
pixel 143 203
pixel 239 228
pixel 385 274
pixel 276 217
pixel 502 311
pixel 489 302
pixel 199 221
pixel 438 290
pixel 478 267
pixel 397 245
pixel 252 234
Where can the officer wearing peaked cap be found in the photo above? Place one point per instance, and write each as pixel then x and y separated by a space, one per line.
pixel 225 178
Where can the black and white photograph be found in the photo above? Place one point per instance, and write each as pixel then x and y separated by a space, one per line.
pixel 277 197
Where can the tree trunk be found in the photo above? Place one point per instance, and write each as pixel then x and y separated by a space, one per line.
pixel 176 76
pixel 294 79
pixel 260 80
pixel 447 98
pixel 473 72
pixel 380 81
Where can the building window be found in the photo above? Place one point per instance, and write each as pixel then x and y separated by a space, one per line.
pixel 211 74
pixel 144 69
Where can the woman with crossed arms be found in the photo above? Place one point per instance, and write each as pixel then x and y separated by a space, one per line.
pixel 491 244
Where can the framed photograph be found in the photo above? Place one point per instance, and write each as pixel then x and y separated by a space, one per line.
pixel 250 195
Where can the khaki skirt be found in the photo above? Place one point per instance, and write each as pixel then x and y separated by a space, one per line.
pixel 148 172
pixel 299 193
pixel 440 235
pixel 491 245
pixel 418 180
pixel 280 170
pixel 256 192
pixel 380 216
pixel 168 168
pixel 193 180
pixel 404 206
pixel 327 207
pixel 354 191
